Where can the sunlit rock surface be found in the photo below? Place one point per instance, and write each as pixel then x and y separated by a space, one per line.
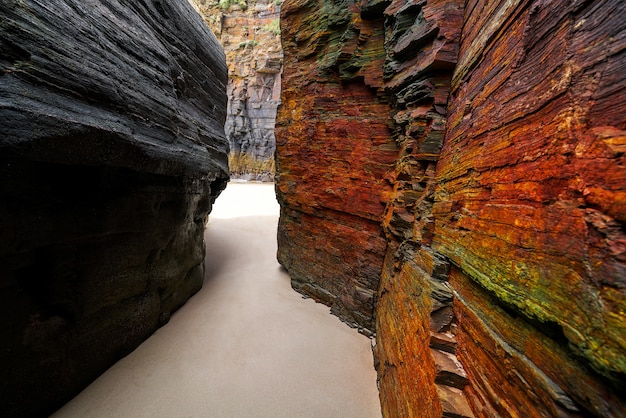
pixel 112 151
pixel 498 140
pixel 249 31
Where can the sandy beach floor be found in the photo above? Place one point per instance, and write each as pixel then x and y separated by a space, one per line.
pixel 246 345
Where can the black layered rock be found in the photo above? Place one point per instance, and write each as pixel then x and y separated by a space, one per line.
pixel 112 152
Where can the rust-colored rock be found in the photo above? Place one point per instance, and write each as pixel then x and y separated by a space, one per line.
pixel 334 150
pixel 361 112
pixel 406 369
pixel 530 202
pixel 517 368
pixel 503 225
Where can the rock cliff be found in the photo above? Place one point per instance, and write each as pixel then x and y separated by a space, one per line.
pixel 335 149
pixel 112 151
pixel 530 206
pixel 451 178
pixel 249 31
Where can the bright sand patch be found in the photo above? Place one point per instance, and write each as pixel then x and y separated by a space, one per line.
pixel 246 345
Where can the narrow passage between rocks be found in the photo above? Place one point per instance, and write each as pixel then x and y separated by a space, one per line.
pixel 246 345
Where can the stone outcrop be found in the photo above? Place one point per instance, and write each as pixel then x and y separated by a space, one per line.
pixel 335 149
pixel 414 300
pixel 112 151
pixel 249 31
pixel 493 134
pixel 531 204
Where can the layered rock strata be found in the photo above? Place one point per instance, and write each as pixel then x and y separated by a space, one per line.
pixel 249 31
pixel 499 285
pixel 414 300
pixel 112 151
pixel 334 151
pixel 530 207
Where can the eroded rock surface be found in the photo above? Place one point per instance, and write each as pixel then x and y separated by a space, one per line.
pixel 498 284
pixel 530 206
pixel 335 149
pixel 112 151
pixel 249 31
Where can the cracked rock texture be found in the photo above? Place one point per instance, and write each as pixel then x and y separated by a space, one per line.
pixel 249 31
pixel 112 151
pixel 334 150
pixel 451 178
pixel 531 204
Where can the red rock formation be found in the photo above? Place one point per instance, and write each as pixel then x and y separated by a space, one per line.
pixel 531 195
pixel 422 46
pixel 508 248
pixel 336 149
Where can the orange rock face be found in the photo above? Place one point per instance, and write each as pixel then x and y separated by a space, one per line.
pixel 459 166
pixel 530 204
pixel 335 149
pixel 415 377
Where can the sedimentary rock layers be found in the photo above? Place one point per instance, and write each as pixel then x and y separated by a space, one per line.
pixel 530 205
pixel 504 220
pixel 334 150
pixel 111 153
pixel 250 34
pixel 415 300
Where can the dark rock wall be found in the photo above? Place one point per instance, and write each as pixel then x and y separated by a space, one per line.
pixel 499 285
pixel 111 153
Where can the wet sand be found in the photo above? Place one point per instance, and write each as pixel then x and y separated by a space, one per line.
pixel 246 345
